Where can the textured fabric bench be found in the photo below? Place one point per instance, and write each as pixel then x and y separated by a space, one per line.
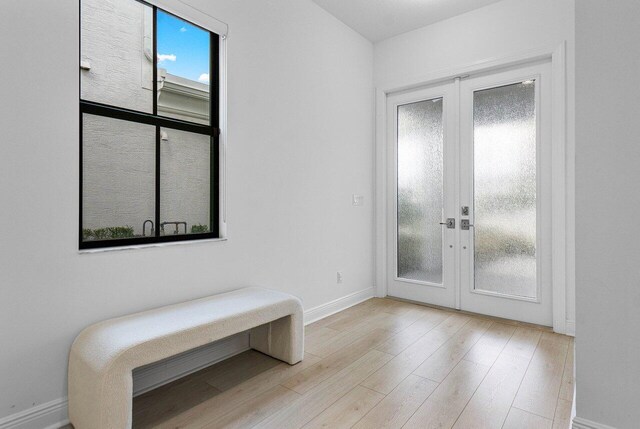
pixel 104 355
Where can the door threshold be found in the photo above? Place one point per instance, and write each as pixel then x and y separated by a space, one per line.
pixel 479 315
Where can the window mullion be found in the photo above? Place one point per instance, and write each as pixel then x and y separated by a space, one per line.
pixel 155 113
pixel 155 61
pixel 158 202
pixel 214 154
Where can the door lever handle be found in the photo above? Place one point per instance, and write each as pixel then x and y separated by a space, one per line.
pixel 450 223
pixel 465 225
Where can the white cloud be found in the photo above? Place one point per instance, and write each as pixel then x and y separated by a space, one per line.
pixel 166 57
pixel 204 78
pixel 183 29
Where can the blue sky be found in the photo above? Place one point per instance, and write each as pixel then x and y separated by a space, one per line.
pixel 183 49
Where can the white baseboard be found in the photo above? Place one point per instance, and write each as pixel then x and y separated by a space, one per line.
pixel 570 327
pixel 580 423
pixel 320 312
pixel 53 415
pixel 50 415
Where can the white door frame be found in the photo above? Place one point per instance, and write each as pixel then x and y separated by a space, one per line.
pixel 557 55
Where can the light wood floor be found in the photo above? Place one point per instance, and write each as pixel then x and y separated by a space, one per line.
pixel 383 364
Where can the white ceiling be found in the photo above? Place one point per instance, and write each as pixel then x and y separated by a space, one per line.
pixel 379 19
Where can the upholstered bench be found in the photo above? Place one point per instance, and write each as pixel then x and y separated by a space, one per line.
pixel 104 355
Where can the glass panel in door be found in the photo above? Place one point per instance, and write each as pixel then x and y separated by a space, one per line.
pixel 420 191
pixel 505 215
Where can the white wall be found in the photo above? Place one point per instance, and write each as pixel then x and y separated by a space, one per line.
pixel 607 191
pixel 300 143
pixel 502 29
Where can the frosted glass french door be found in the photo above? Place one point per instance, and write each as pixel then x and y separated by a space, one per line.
pixel 505 180
pixel 422 184
pixel 474 152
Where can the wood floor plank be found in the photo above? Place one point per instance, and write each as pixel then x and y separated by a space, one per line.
pixel 511 375
pixel 361 309
pixel 523 342
pixel 346 411
pixel 235 364
pixel 354 319
pixel 341 340
pixel 389 321
pixel 490 404
pixel 562 417
pixel 312 327
pixel 489 347
pixel 405 308
pixel 440 363
pixel 398 307
pixel 306 353
pixel 304 409
pixel 556 338
pixel 316 342
pixel 397 407
pixel 255 410
pixel 234 397
pixel 351 317
pixel 305 380
pixel 540 387
pixel 165 402
pixel 413 332
pixel 519 419
pixel 391 375
pixel 445 404
pixel 240 370
pixel 567 387
pixel 383 304
pixel 377 304
pixel 318 337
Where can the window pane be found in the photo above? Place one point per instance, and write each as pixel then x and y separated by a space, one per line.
pixel 420 197
pixel 118 178
pixel 505 189
pixel 117 46
pixel 184 182
pixel 183 69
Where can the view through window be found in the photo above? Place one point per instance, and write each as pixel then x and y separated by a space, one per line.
pixel 149 136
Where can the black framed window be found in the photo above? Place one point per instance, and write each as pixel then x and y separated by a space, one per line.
pixel 149 126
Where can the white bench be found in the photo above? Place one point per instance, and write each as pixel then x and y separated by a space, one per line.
pixel 104 355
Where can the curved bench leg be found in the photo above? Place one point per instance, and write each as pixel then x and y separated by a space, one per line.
pixel 282 339
pixel 92 407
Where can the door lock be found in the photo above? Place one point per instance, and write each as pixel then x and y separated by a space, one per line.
pixel 451 223
pixel 464 210
pixel 465 225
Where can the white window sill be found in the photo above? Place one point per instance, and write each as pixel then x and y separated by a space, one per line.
pixel 147 246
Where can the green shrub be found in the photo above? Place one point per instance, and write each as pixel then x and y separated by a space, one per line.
pixel 108 233
pixel 199 229
pixel 86 234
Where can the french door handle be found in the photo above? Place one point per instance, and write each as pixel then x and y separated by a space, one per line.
pixel 450 223
pixel 465 225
